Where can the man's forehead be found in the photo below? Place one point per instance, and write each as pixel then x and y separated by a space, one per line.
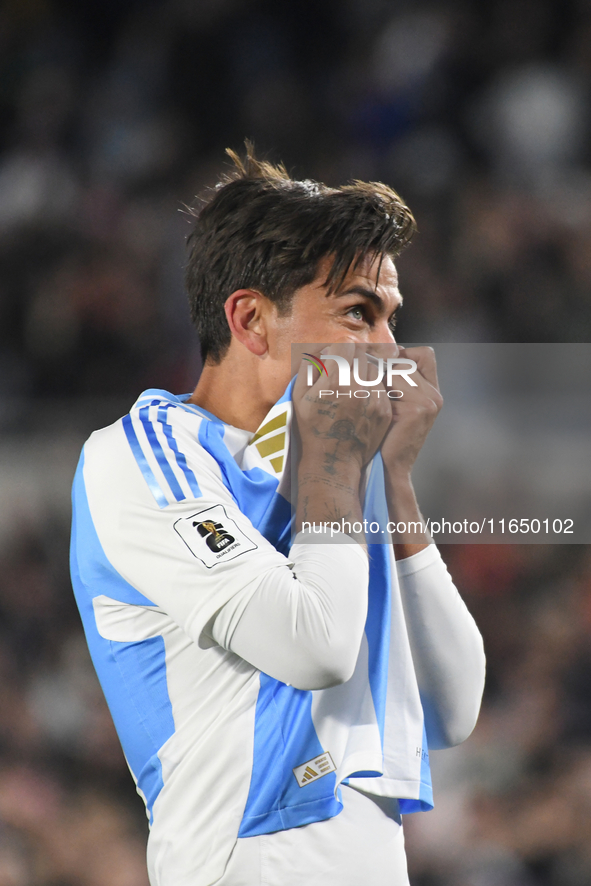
pixel 379 271
pixel 375 272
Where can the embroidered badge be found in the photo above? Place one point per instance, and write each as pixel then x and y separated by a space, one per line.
pixel 213 537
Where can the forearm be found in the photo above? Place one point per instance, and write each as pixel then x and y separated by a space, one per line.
pixel 403 510
pixel 328 497
pixel 446 646
pixel 302 627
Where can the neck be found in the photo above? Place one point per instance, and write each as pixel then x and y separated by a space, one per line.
pixel 234 391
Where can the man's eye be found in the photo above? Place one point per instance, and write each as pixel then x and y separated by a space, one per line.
pixel 357 313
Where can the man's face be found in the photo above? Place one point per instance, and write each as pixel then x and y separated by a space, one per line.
pixel 361 311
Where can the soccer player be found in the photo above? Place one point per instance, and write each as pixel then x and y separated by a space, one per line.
pixel 277 689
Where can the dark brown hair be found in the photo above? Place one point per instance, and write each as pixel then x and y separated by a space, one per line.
pixel 260 229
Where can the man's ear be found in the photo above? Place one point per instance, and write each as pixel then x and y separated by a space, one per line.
pixel 246 316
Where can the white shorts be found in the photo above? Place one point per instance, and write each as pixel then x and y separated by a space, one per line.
pixel 362 846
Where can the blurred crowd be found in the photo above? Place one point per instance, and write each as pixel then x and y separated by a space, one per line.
pixel 113 117
pixel 513 803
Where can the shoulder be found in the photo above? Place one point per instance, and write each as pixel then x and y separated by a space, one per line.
pixel 154 453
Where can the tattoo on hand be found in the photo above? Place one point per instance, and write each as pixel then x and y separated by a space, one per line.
pixel 329 461
pixel 343 431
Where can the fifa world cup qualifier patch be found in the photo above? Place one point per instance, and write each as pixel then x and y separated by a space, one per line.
pixel 213 537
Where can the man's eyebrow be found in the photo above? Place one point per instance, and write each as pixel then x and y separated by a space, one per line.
pixel 362 290
pixel 370 294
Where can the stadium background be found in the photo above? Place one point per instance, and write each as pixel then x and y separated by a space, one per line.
pixel 115 114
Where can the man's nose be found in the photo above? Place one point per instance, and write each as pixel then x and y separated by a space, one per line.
pixel 384 336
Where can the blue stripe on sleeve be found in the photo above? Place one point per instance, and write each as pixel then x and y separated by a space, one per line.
pixel 180 456
pixel 142 462
pixel 159 453
pixel 132 674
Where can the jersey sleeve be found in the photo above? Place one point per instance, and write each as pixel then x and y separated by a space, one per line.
pixel 446 646
pixel 187 554
pixel 303 629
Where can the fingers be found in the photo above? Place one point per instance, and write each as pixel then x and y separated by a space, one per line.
pixel 346 351
pixel 424 357
pixel 421 403
pixel 335 362
pixel 384 350
pixel 363 371
pixel 344 363
pixel 340 415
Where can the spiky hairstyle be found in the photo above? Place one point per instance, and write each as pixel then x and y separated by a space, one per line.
pixel 260 229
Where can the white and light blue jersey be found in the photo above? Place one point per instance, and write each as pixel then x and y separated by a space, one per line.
pixel 175 513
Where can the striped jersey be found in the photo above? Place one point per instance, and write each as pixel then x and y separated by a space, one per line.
pixel 175 513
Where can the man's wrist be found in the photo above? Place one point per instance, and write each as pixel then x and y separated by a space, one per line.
pixel 313 466
pixel 397 474
pixel 399 490
pixel 329 496
pixel 409 537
